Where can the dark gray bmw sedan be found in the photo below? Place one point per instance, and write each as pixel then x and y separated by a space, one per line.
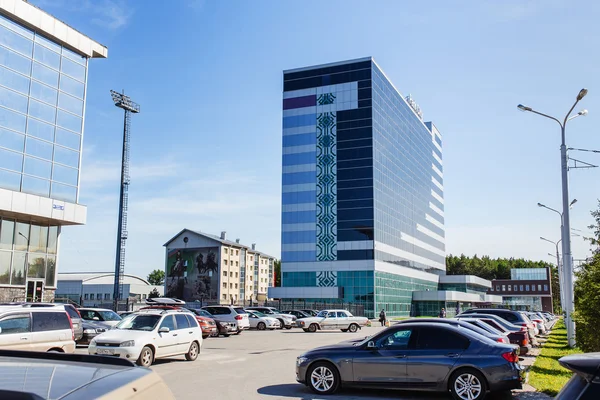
pixel 416 356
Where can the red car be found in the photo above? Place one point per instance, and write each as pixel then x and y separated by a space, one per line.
pixel 208 325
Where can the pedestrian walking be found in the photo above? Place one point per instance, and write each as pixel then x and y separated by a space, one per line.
pixel 443 313
pixel 382 317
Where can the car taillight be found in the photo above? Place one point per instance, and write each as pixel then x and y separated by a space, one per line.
pixel 238 317
pixel 510 357
pixel 523 329
pixel 525 325
pixel 525 342
pixel 71 323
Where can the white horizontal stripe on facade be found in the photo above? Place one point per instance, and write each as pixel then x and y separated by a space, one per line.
pixel 355 245
pixel 432 152
pixel 404 271
pixel 300 111
pixel 299 93
pixel 435 181
pixel 299 187
pixel 437 197
pixel 309 226
pixel 435 222
pixel 299 130
pixel 437 145
pixel 430 233
pixel 299 207
pixel 437 171
pixel 307 292
pixel 425 246
pixel 407 255
pixel 352 265
pixel 299 247
pixel 436 209
pixel 290 169
pixel 307 148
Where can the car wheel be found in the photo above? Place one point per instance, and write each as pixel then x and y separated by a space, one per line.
pixel 353 328
pixel 312 328
pixel 226 335
pixel 281 324
pixel 238 332
pixel 192 353
pixel 323 378
pixel 288 327
pixel 467 384
pixel 146 357
pixel 261 326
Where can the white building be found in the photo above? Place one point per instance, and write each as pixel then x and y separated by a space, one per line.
pixel 95 288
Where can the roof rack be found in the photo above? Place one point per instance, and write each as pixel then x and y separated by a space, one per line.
pixel 165 301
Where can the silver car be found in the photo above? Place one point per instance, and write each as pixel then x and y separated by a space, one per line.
pixel 261 321
pixel 286 321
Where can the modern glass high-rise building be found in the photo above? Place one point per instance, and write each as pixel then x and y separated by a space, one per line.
pixel 43 85
pixel 362 190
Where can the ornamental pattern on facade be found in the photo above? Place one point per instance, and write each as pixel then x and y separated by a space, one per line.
pixel 326 184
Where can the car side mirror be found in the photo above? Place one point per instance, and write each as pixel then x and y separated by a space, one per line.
pixel 164 329
pixel 371 345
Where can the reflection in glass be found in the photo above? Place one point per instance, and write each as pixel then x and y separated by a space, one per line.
pixel 40 129
pixel 45 74
pixel 11 140
pixel 11 160
pixel 14 100
pixel 15 61
pixel 51 271
pixel 52 239
pixel 43 92
pixel 70 103
pixel 7 234
pixel 10 180
pixel 37 265
pixel 5 259
pixel 12 120
pixel 13 80
pixel 37 186
pixel 46 56
pixel 64 192
pixel 68 139
pixel 65 175
pixel 21 236
pixel 68 121
pixel 18 269
pixel 15 41
pixel 38 148
pixel 38 238
pixel 72 69
pixel 40 168
pixel 42 111
pixel 71 86
pixel 66 156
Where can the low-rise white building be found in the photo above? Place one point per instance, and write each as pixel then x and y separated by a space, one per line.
pixel 96 288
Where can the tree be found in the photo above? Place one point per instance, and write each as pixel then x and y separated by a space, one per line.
pixel 587 294
pixel 153 294
pixel 157 277
pixel 277 272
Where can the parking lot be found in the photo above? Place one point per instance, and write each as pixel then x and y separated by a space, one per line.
pixel 261 365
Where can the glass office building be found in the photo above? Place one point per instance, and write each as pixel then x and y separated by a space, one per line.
pixel 43 79
pixel 362 190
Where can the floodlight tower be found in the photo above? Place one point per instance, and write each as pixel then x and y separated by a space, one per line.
pixel 129 107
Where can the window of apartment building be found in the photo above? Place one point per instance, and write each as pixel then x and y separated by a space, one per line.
pixel 226 250
pixel 99 296
pixel 546 287
pixel 86 296
pixel 91 296
pixel 107 296
pixel 224 273
pixel 521 288
pixel 251 258
pixel 504 288
pixel 224 285
pixel 510 288
pixel 236 274
pixel 225 262
pixel 224 297
pixel 497 288
pixel 231 274
pixel 237 263
pixel 250 277
pixel 236 285
pixel 539 288
pixel 237 252
pixel 231 286
pixel 527 288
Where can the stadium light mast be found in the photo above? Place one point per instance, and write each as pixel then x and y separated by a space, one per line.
pixel 129 107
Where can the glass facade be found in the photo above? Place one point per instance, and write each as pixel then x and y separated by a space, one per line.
pixel 528 274
pixel 362 181
pixel 530 303
pixel 463 287
pixel 27 251
pixel 42 96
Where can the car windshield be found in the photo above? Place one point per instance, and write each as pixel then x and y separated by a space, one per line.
pixel 258 313
pixel 138 322
pixel 203 313
pixel 322 314
pixel 109 316
pixel 240 311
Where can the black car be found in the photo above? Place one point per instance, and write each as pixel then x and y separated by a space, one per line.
pixel 225 328
pixel 585 382
pixel 312 313
pixel 297 313
pixel 91 329
pixel 416 356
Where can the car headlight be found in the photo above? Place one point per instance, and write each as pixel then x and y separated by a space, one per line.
pixel 128 343
pixel 301 322
pixel 301 360
pixel 89 331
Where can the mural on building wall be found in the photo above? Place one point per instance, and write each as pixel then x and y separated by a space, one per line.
pixel 193 274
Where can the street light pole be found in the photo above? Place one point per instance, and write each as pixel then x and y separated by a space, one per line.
pixel 566 229
pixel 560 272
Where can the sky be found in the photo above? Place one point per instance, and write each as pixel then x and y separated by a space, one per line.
pixel 206 147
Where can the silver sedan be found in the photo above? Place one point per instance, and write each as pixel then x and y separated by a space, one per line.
pixel 261 321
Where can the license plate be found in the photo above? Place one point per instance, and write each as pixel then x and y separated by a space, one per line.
pixel 105 351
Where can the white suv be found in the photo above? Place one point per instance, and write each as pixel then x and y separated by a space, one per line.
pixel 230 314
pixel 150 334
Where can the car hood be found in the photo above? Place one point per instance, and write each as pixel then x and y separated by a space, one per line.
pixel 269 319
pixel 331 348
pixel 95 325
pixel 121 335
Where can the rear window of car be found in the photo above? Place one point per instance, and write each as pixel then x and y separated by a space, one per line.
pixel 240 310
pixel 219 310
pixel 50 321
pixel 72 312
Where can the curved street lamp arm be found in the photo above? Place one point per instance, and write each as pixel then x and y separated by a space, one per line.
pixel 569 113
pixel 548 116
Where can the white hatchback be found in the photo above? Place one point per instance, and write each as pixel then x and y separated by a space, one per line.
pixel 150 334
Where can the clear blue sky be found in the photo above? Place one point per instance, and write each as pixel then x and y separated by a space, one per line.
pixel 206 148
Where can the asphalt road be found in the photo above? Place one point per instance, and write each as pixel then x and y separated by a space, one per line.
pixel 261 365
